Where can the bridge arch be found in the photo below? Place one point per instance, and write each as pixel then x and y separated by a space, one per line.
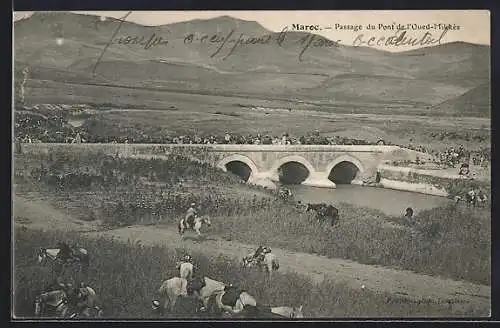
pixel 299 175
pixel 241 159
pixel 344 169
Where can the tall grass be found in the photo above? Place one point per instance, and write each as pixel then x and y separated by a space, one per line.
pixel 126 276
pixel 449 241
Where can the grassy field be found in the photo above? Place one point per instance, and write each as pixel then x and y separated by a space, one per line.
pixel 126 276
pixel 186 107
pixel 449 241
pixel 161 112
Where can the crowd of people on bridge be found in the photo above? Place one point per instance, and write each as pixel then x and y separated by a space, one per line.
pixel 32 128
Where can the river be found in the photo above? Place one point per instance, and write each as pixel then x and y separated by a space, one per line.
pixel 389 201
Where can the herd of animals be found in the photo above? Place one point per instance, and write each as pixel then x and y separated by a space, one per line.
pixel 192 294
pixel 186 294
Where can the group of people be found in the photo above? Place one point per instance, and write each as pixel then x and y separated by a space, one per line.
pixel 456 157
pixel 31 128
pixel 35 129
pixel 464 135
pixel 475 196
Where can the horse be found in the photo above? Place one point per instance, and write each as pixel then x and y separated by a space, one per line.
pixel 79 255
pixel 205 287
pixel 169 291
pixel 327 212
pixel 288 312
pixel 332 213
pixel 231 300
pixel 196 225
pixel 270 262
pixel 186 270
pixel 87 301
pixel 57 300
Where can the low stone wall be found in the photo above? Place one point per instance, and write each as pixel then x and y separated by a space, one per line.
pixel 423 188
pixel 431 182
pixel 198 152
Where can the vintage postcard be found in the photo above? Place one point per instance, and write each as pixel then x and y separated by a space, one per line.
pixel 280 165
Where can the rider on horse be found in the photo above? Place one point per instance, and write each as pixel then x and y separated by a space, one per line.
pixel 65 252
pixel 190 215
pixel 186 258
pixel 260 252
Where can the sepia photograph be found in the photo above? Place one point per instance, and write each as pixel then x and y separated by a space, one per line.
pixel 274 165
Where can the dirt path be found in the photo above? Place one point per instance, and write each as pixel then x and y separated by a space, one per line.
pixel 36 214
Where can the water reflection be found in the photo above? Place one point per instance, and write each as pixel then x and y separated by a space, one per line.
pixel 391 202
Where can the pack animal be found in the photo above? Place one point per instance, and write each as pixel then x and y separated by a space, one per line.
pixel 230 301
pixel 52 304
pixel 195 225
pixel 204 288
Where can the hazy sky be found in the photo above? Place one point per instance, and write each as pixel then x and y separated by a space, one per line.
pixel 474 25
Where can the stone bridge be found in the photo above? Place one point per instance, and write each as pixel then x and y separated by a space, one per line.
pixel 312 165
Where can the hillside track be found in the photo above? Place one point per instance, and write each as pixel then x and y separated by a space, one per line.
pixel 405 284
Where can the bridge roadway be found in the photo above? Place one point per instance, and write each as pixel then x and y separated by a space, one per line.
pixel 263 162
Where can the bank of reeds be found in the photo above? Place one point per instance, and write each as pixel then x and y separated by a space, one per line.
pixel 126 276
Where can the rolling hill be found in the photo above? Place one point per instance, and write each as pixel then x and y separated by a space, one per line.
pixel 65 47
pixel 475 102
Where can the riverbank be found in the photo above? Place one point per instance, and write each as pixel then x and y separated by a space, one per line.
pixel 431 182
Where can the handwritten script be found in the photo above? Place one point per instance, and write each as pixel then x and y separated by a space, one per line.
pixel 400 38
pixel 226 44
pixel 145 42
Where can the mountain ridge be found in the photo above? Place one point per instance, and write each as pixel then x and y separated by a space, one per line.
pixel 72 44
